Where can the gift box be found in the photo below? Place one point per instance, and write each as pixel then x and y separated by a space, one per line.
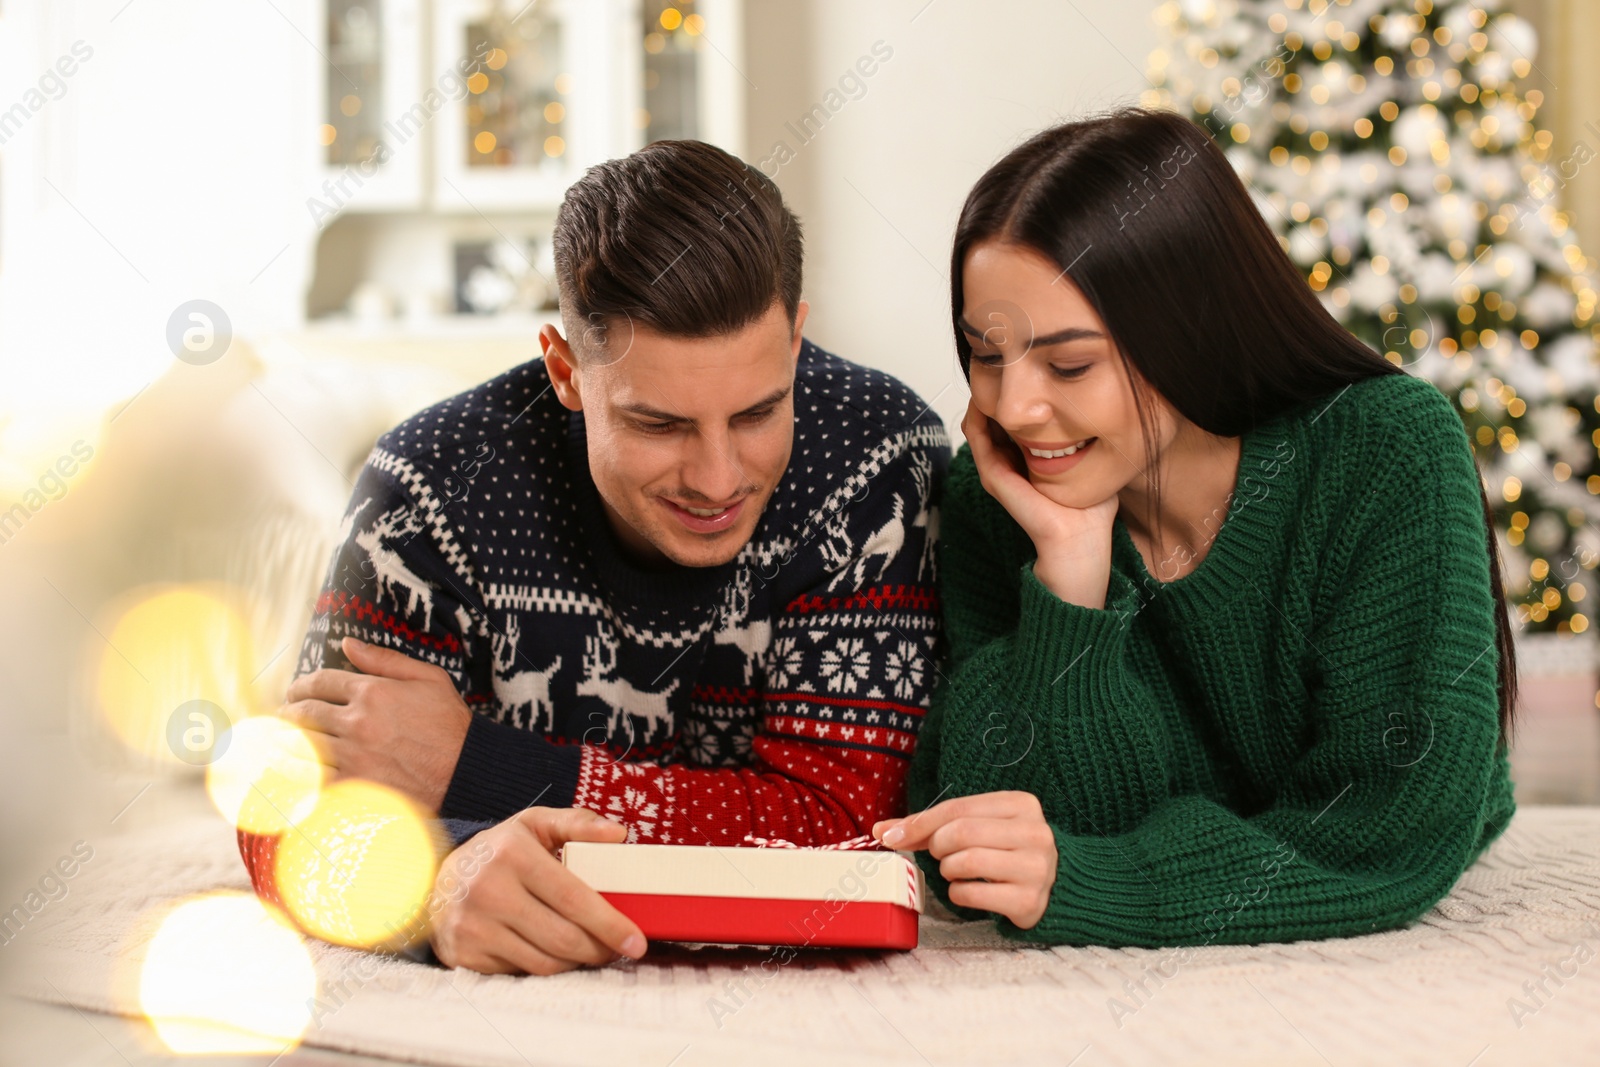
pixel 838 896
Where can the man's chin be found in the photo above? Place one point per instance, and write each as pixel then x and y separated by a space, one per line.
pixel 700 550
pixel 688 549
pixel 708 555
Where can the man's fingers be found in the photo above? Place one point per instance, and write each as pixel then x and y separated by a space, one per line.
pixel 507 953
pixel 387 662
pixel 556 826
pixel 565 893
pixel 571 898
pixel 326 747
pixel 519 957
pixel 329 684
pixel 314 716
pixel 541 926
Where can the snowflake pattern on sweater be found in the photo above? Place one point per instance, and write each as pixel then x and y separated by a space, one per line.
pixel 778 694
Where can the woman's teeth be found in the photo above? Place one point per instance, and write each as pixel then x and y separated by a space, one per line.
pixel 1058 452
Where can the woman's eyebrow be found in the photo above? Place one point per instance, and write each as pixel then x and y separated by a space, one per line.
pixel 1071 333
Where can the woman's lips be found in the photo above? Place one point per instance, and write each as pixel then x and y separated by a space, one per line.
pixel 1055 464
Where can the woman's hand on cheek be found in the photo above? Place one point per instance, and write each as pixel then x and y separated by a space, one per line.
pixel 1074 544
pixel 995 849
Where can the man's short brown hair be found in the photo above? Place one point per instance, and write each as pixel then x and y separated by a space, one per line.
pixel 681 237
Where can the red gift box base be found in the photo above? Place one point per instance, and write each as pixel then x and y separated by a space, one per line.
pixel 768 921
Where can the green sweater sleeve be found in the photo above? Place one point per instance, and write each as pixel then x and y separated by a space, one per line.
pixel 998 716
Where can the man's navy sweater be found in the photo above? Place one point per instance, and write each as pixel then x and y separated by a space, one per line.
pixel 778 694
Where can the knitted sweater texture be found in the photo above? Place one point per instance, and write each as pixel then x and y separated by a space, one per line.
pixel 1296 739
pixel 778 694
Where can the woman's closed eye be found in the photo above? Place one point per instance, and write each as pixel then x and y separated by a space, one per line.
pixel 995 359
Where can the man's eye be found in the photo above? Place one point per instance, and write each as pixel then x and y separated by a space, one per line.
pixel 758 416
pixel 657 427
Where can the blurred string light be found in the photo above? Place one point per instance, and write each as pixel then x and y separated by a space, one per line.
pixel 268 777
pixel 355 860
pixel 35 438
pixel 167 646
pixel 1390 145
pixel 354 865
pixel 673 40
pixel 513 118
pixel 225 974
pixel 358 869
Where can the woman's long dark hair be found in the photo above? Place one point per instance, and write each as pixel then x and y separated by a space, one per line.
pixel 1238 336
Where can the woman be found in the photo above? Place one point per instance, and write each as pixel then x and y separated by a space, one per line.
pixel 1229 660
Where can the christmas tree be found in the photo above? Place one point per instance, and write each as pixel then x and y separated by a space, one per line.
pixel 1392 146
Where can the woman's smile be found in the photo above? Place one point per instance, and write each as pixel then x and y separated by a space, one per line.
pixel 1053 459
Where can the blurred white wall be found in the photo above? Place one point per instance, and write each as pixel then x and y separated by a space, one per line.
pixel 879 186
pixel 172 164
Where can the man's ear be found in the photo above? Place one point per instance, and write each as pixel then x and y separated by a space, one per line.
pixel 800 310
pixel 562 366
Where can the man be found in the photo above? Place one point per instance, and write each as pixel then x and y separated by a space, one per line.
pixel 679 574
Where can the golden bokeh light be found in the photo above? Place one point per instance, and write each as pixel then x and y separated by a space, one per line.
pixel 358 870
pixel 172 645
pixel 267 777
pixel 225 974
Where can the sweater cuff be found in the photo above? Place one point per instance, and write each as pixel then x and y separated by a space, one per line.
pixel 462 830
pixel 1099 895
pixel 503 769
pixel 1057 640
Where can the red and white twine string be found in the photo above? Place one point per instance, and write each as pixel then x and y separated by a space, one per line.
pixel 866 841
pixel 861 842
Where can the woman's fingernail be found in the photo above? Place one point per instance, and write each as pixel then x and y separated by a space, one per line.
pixel 894 836
pixel 633 947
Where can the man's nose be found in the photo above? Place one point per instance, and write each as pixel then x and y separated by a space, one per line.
pixel 711 468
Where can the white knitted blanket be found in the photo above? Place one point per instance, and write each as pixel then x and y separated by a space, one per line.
pixel 1506 970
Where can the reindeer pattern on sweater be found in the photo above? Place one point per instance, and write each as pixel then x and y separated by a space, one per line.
pixel 778 694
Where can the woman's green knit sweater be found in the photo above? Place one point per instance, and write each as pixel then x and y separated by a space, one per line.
pixel 1297 739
